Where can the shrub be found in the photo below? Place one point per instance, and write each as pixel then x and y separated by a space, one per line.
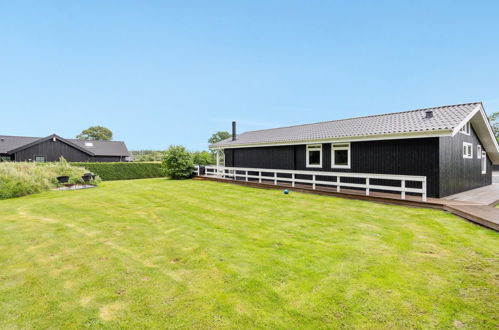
pixel 203 158
pixel 178 163
pixel 124 170
pixel 20 179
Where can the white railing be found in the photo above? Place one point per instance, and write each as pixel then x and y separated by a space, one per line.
pixel 196 170
pixel 274 176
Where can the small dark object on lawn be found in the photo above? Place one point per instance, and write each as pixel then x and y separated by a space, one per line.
pixel 87 177
pixel 90 175
pixel 286 191
pixel 63 179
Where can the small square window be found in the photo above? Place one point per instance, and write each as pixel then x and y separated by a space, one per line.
pixel 467 150
pixel 340 153
pixel 314 155
pixel 465 129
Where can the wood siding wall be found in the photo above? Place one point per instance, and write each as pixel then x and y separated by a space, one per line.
pixel 52 151
pixel 459 174
pixel 407 156
pixel 281 158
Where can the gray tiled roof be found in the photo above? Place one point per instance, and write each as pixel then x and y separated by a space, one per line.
pixel 407 122
pixel 104 148
pixel 8 143
pixel 99 148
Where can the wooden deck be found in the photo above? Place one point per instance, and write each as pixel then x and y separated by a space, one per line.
pixel 476 205
pixel 473 205
pixel 484 215
pixel 488 195
pixel 495 177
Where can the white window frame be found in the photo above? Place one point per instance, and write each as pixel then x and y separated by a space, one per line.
pixel 344 146
pixel 467 147
pixel 314 147
pixel 466 129
pixel 220 157
pixel 483 162
pixel 479 151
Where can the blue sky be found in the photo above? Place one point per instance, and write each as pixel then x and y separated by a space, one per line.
pixel 174 72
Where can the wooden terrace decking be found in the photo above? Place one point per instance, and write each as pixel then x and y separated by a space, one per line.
pixel 488 195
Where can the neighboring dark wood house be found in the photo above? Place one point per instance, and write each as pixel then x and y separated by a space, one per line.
pixel 453 146
pixel 51 148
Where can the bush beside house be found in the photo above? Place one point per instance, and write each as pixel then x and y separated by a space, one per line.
pixel 178 163
pixel 203 158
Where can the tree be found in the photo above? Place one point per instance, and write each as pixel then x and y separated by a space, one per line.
pixel 494 122
pixel 203 158
pixel 148 155
pixel 178 163
pixel 219 136
pixel 96 133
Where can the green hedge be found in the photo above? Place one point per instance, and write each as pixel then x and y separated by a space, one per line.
pixel 124 170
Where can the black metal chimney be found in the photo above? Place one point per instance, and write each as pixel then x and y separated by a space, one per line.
pixel 429 113
pixel 233 131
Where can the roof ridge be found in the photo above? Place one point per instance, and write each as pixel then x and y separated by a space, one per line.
pixel 368 116
pixel 96 140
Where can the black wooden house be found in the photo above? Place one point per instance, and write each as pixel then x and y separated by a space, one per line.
pixel 452 146
pixel 52 147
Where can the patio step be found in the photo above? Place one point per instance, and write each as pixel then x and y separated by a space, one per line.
pixel 486 216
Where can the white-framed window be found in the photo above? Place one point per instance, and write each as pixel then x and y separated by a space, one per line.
pixel 40 159
pixel 467 150
pixel 484 162
pixel 478 151
pixel 340 155
pixel 465 129
pixel 314 155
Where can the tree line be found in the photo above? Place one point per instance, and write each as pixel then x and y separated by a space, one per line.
pixel 200 157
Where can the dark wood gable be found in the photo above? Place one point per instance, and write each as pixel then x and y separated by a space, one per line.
pixel 52 151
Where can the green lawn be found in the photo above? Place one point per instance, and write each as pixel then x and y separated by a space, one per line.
pixel 192 254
